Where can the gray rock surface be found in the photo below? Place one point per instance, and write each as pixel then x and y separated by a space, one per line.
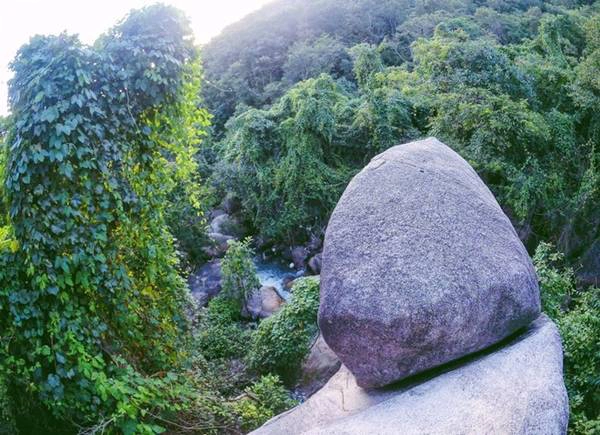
pixel 318 367
pixel 420 266
pixel 315 263
pixel 262 303
pixel 205 283
pixel 299 255
pixel 514 388
pixel 227 225
pixel 219 244
pixel 220 223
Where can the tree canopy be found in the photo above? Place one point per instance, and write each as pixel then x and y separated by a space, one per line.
pixel 509 85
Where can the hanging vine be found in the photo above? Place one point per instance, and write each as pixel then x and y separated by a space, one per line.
pixel 91 305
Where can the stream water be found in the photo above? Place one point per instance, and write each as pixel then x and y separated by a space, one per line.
pixel 273 273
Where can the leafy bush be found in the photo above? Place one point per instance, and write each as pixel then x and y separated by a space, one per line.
pixel 580 331
pixel 239 277
pixel 558 283
pixel 263 400
pixel 308 59
pixel 7 423
pixel 282 341
pixel 579 325
pixel 220 334
pixel 283 164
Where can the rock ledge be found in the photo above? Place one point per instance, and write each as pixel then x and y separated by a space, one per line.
pixel 515 388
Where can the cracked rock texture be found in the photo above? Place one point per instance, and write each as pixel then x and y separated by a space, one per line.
pixel 513 388
pixel 420 267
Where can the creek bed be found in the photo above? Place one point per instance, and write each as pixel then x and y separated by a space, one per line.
pixel 273 272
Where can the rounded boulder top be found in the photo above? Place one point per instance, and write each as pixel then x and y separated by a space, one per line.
pixel 420 266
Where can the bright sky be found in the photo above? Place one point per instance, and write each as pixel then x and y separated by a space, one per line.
pixel 21 19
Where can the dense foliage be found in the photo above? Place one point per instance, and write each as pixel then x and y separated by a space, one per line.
pixel 239 278
pixel 101 200
pixel 257 59
pixel 282 162
pixel 7 243
pixel 509 85
pixel 282 340
pixel 304 94
pixel 106 175
pixel 241 400
pixel 220 333
pixel 262 401
pixel 577 315
pixel 91 304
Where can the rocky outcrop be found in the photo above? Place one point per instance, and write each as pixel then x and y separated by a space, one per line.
pixel 420 267
pixel 219 243
pixel 514 388
pixel 262 303
pixel 221 223
pixel 299 255
pixel 205 283
pixel 318 367
pixel 222 228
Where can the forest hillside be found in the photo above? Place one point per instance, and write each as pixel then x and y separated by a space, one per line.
pixel 304 93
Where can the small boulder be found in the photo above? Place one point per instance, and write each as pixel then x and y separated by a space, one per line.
pixel 318 367
pixel 262 303
pixel 220 223
pixel 228 225
pixel 514 388
pixel 231 204
pixel 215 212
pixel 420 266
pixel 205 283
pixel 315 263
pixel 299 256
pixel 219 244
pixel 271 301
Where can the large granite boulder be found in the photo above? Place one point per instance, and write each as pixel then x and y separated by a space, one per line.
pixel 420 266
pixel 513 388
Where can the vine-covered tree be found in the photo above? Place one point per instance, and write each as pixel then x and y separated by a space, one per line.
pixel 91 305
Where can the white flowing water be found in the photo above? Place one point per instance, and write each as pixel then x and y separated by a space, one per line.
pixel 273 272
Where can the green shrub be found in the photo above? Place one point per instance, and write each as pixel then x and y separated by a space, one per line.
pixel 284 164
pixel 579 327
pixel 220 334
pixel 580 331
pixel 7 423
pixel 239 277
pixel 557 284
pixel 283 340
pixel 263 400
